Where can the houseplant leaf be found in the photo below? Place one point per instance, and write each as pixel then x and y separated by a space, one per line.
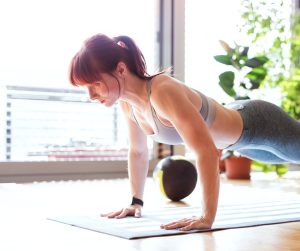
pixel 224 59
pixel 244 51
pixel 254 84
pixel 258 71
pixel 256 76
pixel 256 61
pixel 226 47
pixel 227 82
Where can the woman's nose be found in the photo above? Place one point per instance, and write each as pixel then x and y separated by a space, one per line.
pixel 92 94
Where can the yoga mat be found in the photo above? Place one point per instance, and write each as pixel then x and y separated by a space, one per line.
pixel 228 217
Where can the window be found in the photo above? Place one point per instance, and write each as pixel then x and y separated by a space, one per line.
pixel 61 124
pixel 207 22
pixel 42 116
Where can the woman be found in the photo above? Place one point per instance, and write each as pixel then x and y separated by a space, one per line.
pixel 163 108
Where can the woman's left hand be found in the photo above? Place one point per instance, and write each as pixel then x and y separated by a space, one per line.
pixel 187 224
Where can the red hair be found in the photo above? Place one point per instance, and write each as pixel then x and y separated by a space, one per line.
pixel 101 54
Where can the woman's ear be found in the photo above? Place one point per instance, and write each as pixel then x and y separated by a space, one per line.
pixel 121 69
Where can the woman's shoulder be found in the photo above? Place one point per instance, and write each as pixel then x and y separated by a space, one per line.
pixel 164 83
pixel 126 108
pixel 166 90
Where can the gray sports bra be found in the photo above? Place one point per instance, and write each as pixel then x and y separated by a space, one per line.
pixel 169 135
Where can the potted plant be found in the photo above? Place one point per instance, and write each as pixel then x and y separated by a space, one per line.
pixel 266 26
pixel 236 166
pixel 279 169
pixel 221 162
pixel 274 28
pixel 247 74
pixel 290 86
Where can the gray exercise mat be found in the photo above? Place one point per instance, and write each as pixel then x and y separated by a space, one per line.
pixel 228 217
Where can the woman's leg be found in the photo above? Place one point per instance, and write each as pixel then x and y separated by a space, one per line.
pixel 270 131
pixel 261 155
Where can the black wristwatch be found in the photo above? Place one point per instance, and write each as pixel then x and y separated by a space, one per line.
pixel 137 201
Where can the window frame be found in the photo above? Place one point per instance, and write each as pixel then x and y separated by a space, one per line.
pixel 170 51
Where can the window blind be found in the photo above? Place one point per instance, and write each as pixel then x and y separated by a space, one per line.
pixel 60 124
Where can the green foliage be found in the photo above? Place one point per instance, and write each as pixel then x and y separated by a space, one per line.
pixel 291 85
pixel 265 23
pixel 280 169
pixel 291 89
pixel 227 82
pixel 250 70
pixel 272 27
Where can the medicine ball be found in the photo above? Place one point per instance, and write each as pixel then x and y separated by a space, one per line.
pixel 176 177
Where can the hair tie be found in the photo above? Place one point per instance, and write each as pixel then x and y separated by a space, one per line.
pixel 122 44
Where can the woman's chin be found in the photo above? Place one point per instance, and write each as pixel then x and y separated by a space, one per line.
pixel 108 104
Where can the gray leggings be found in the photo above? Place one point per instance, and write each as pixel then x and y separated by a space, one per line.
pixel 270 135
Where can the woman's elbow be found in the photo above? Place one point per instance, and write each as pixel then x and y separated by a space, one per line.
pixel 138 152
pixel 208 152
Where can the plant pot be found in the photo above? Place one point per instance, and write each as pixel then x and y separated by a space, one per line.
pixel 221 162
pixel 238 168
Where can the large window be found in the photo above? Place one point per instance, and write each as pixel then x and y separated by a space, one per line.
pixel 206 22
pixel 60 124
pixel 42 116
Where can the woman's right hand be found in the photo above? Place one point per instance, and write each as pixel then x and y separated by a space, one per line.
pixel 133 210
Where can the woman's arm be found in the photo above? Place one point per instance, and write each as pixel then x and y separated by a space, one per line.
pixel 176 107
pixel 138 165
pixel 138 160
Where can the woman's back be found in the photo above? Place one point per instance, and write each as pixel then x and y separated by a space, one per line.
pixel 227 124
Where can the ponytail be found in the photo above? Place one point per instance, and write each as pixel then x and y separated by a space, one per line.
pixel 133 56
pixel 101 54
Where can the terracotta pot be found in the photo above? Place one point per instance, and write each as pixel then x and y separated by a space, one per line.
pixel 221 162
pixel 238 167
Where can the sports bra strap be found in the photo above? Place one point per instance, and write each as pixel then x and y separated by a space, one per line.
pixel 148 88
pixel 204 107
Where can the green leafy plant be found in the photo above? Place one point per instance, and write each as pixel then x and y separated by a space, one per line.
pixel 291 90
pixel 247 72
pixel 274 28
pixel 265 25
pixel 291 85
pixel 279 169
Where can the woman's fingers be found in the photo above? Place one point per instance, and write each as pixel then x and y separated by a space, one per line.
pixel 187 224
pixel 135 211
pixel 124 213
pixel 176 224
pixel 112 214
pixel 188 227
pixel 119 214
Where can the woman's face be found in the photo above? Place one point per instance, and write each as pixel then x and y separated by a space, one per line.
pixel 107 91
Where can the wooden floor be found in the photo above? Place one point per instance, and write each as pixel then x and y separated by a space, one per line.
pixel 24 208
